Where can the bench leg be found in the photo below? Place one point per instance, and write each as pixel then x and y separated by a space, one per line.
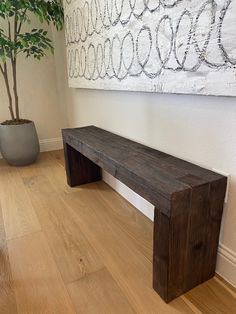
pixel 169 253
pixel 79 169
pixel 186 242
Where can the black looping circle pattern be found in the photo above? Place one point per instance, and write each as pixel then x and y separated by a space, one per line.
pixel 144 51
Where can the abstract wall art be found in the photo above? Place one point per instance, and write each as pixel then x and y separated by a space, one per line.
pixel 168 46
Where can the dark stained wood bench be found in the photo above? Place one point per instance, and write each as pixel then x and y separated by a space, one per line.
pixel 188 202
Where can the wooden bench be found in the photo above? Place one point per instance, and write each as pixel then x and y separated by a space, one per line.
pixel 188 202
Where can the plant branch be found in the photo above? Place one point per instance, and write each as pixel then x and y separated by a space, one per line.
pixel 6 80
pixel 1 69
pixel 22 20
pixel 14 72
pixel 9 29
pixel 9 34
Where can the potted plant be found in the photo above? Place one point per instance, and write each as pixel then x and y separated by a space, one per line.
pixel 18 137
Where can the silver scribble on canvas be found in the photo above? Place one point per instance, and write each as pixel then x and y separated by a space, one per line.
pixel 170 46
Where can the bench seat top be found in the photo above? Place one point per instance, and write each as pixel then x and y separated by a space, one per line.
pixel 160 172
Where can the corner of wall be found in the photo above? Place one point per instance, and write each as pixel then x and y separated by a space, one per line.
pixel 47 145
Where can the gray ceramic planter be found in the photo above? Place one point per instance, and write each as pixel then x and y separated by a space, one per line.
pixel 19 144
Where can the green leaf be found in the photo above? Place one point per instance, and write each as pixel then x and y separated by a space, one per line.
pixel 36 42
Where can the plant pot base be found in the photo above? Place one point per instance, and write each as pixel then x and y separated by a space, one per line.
pixel 21 163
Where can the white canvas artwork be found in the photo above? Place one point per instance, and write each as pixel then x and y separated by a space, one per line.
pixel 168 46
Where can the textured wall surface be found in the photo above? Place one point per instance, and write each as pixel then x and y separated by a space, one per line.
pixel 171 46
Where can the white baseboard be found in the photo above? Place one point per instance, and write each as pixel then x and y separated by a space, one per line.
pixel 50 144
pixel 226 264
pixel 140 203
pixel 226 258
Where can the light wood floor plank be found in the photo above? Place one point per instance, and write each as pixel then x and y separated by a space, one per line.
pixel 131 221
pixel 226 285
pixel 58 155
pixel 99 293
pixel 37 282
pixel 212 297
pixel 57 177
pixel 131 269
pixel 72 252
pixel 52 169
pixel 7 296
pixel 18 214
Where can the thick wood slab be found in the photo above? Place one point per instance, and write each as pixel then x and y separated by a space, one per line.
pixel 153 174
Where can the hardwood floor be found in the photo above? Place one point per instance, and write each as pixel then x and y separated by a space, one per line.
pixel 37 281
pixel 81 250
pixel 21 218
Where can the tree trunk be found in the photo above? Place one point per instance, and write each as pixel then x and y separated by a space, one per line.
pixel 15 89
pixel 14 73
pixel 6 80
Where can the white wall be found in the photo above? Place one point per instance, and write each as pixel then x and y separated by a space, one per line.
pixel 38 96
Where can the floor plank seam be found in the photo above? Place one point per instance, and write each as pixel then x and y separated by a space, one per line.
pixel 24 235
